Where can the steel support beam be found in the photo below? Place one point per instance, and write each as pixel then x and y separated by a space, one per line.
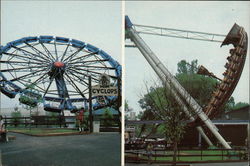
pixel 168 78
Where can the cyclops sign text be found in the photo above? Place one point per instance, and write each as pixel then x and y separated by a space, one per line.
pixel 104 88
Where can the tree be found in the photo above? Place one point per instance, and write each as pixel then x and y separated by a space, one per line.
pixel 128 109
pixel 196 85
pixel 147 114
pixel 107 116
pixel 200 87
pixel 186 68
pixel 139 115
pixel 16 115
pixel 53 116
pixel 160 102
pixel 239 105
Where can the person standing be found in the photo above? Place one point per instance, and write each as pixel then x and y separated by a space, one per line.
pixel 80 117
pixel 3 131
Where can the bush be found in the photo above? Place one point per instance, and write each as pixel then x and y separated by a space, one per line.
pixel 16 118
pixel 107 116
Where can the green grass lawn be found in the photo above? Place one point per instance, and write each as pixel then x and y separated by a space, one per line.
pixel 41 131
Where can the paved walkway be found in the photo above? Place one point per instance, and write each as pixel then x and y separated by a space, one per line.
pixel 77 150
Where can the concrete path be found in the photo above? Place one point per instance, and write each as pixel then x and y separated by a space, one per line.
pixel 77 150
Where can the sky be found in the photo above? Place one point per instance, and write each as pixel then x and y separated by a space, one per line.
pixel 100 23
pixel 213 17
pixel 97 23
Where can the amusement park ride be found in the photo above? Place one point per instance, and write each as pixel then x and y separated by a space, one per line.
pixel 199 117
pixel 56 71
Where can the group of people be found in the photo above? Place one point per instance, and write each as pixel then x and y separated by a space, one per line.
pixel 3 131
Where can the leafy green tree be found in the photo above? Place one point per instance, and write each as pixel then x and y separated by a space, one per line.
pixel 231 105
pixel 107 116
pixel 200 87
pixel 239 105
pixel 164 107
pixel 139 115
pixel 147 114
pixel 16 115
pixel 128 109
pixel 186 68
pixel 196 85
pixel 53 116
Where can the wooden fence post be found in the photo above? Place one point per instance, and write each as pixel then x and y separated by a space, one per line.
pixel 201 153
pixel 178 154
pixel 60 121
pixel 155 155
pixel 222 154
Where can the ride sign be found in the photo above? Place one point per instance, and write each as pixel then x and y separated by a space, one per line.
pixel 104 88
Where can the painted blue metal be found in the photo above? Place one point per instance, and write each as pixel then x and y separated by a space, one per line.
pixel 144 122
pixel 17 42
pixel 5 48
pixel 30 39
pixel 77 43
pixel 9 89
pixel 46 39
pixel 64 100
pixel 62 39
pixel 112 62
pixel 128 23
pixel 77 99
pixel 7 92
pixel 92 48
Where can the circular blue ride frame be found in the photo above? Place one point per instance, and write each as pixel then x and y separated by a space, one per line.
pixel 55 71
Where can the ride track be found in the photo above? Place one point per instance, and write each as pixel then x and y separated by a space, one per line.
pixel 55 70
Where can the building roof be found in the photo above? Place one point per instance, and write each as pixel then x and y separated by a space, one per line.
pixel 237 114
pixel 230 122
pixel 101 111
pixel 241 109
